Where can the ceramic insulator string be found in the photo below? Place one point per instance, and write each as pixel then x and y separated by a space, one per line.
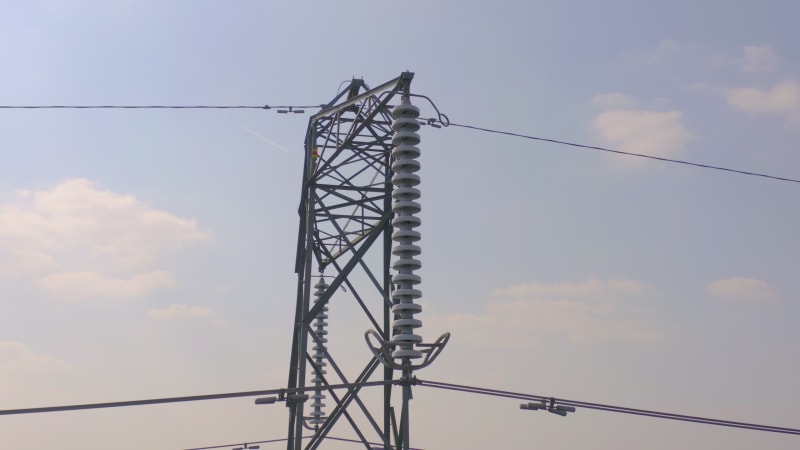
pixel 406 209
pixel 320 329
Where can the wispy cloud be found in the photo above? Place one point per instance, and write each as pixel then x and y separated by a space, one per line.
pixel 187 313
pixel 666 50
pixel 742 289
pixel 759 58
pixel 16 357
pixel 614 100
pixel 181 312
pixel 753 59
pixel 94 286
pixel 587 312
pixel 782 100
pixel 650 132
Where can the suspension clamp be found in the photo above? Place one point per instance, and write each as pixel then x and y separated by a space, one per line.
pixel 382 350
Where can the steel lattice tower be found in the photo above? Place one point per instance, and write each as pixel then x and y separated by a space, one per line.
pixel 358 212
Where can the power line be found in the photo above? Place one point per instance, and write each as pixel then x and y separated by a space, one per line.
pixel 291 108
pixel 192 398
pixel 438 123
pixel 433 384
pixel 426 383
pixel 609 408
pixel 620 152
pixel 270 441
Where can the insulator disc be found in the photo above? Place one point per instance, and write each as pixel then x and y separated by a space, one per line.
pixel 406 208
pixel 409 337
pixel 410 323
pixel 405 180
pixel 405 138
pixel 405 151
pixel 405 124
pixel 407 264
pixel 406 251
pixel 406 278
pixel 404 110
pixel 406 236
pixel 407 292
pixel 406 221
pixel 406 308
pixel 402 194
pixel 406 165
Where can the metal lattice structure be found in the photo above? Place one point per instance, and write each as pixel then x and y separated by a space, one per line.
pixel 358 193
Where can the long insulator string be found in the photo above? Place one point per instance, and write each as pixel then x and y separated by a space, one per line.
pixel 406 209
pixel 320 329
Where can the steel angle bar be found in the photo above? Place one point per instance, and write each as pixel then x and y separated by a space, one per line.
pixel 355 294
pixel 327 187
pixel 358 156
pixel 358 129
pixel 348 267
pixel 361 261
pixel 360 301
pixel 358 401
pixel 364 202
pixel 358 298
pixel 393 84
pixel 335 397
pixel 341 235
pixel 342 404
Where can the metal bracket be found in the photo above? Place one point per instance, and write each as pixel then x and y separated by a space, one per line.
pixel 383 351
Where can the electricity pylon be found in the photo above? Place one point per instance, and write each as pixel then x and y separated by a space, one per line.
pixel 358 208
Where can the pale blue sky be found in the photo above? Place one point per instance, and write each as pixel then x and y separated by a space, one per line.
pixel 151 253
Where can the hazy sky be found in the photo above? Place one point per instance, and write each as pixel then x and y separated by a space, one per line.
pixel 148 253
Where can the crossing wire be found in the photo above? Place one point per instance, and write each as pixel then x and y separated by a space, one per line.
pixel 270 441
pixel 156 106
pixel 191 398
pixel 425 383
pixel 608 408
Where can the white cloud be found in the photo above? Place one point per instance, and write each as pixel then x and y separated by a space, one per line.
pixel 17 261
pixel 666 49
pixel 783 99
pixel 758 58
pixel 16 357
pixel 178 312
pixel 185 313
pixel 78 224
pixel 754 59
pixel 614 100
pixel 741 288
pixel 94 286
pixel 593 288
pixel 520 315
pixel 81 242
pixel 654 133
